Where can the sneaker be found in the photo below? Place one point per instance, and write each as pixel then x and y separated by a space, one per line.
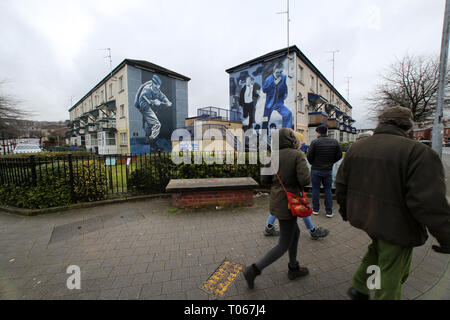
pixel 319 233
pixel 316 213
pixel 250 274
pixel 297 271
pixel 356 295
pixel 330 215
pixel 271 232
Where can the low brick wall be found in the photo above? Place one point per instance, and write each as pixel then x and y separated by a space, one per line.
pixel 197 199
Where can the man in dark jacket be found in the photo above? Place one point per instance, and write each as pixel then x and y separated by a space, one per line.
pixel 393 188
pixel 248 98
pixel 323 153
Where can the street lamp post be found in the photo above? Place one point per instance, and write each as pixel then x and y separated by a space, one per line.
pixel 436 142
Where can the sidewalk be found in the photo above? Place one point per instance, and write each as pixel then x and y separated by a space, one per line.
pixel 147 250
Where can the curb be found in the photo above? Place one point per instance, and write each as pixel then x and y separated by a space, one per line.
pixel 81 205
pixel 34 212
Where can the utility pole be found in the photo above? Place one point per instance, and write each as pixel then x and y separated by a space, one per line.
pixel 436 142
pixel 333 52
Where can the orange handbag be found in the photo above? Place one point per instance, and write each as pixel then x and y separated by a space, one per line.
pixel 299 205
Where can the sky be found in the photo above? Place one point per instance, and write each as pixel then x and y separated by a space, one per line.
pixel 50 53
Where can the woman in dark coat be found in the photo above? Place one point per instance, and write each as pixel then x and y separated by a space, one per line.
pixel 294 174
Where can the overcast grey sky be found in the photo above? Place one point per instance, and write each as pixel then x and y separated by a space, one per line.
pixel 49 49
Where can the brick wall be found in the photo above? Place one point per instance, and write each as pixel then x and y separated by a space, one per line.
pixel 222 198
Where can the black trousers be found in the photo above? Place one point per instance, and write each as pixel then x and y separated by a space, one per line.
pixel 249 111
pixel 289 236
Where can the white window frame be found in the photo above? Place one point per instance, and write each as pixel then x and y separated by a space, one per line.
pixel 110 90
pixel 110 141
pixel 300 73
pixel 122 110
pixel 123 138
pixel 120 83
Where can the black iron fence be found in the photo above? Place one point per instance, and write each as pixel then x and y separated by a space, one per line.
pixel 95 177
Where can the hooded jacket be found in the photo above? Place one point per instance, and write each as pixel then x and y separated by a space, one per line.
pixel 393 188
pixel 292 170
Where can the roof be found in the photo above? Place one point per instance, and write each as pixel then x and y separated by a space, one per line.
pixel 283 52
pixel 141 64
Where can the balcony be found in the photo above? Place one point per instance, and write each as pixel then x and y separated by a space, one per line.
pixel 333 123
pixel 317 118
pixel 92 127
pixel 106 124
pixel 214 113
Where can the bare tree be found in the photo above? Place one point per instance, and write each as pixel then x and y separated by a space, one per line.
pixel 412 83
pixel 10 113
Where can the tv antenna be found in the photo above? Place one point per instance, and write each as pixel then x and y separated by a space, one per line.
pixel 333 52
pixel 348 88
pixel 287 28
pixel 110 61
pixel 287 21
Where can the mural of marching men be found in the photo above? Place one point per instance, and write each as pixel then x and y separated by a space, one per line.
pixel 272 91
pixel 149 96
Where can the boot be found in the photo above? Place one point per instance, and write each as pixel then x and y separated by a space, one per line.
pixel 296 271
pixel 271 232
pixel 250 274
pixel 356 295
pixel 319 233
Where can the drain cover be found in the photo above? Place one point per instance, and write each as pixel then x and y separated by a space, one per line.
pixel 218 283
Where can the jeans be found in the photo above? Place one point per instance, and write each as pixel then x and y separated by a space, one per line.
pixel 150 122
pixel 286 115
pixel 325 178
pixel 308 223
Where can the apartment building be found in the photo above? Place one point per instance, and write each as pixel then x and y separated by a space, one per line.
pixel 133 109
pixel 284 89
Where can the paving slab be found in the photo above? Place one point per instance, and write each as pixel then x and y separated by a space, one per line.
pixel 144 250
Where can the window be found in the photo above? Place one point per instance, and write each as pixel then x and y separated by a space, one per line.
pixel 122 111
pixel 120 83
pixel 110 90
pixel 311 82
pixel 102 96
pixel 320 89
pixel 96 100
pixel 300 103
pixel 300 74
pixel 110 139
pixel 123 138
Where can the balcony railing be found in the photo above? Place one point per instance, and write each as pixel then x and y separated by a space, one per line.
pixel 317 118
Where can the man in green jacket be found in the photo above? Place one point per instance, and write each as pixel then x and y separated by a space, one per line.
pixel 393 188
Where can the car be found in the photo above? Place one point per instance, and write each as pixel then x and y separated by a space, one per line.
pixel 447 144
pixel 427 142
pixel 27 148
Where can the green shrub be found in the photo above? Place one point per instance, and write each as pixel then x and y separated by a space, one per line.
pixel 53 188
pixel 47 155
pixel 147 177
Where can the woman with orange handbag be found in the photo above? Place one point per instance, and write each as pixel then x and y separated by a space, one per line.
pixel 294 175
